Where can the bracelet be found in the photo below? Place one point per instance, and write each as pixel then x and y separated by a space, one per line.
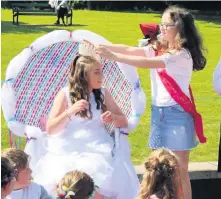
pixel 67 114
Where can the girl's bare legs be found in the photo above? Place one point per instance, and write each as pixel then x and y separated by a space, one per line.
pixel 183 158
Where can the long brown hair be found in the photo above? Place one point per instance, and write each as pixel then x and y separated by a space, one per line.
pixel 161 176
pixel 188 36
pixel 79 86
pixel 78 182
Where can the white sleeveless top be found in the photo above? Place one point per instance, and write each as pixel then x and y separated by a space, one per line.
pixel 179 66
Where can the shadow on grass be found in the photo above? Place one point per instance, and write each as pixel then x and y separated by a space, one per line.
pixel 8 27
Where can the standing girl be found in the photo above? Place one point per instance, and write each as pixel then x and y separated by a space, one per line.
pixel 174 119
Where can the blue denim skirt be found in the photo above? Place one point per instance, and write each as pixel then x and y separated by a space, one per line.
pixel 172 128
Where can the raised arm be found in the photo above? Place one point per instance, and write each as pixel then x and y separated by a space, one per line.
pixel 58 118
pixel 137 61
pixel 124 49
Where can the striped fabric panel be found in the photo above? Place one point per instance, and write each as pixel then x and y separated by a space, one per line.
pixel 42 78
pixel 46 72
pixel 119 87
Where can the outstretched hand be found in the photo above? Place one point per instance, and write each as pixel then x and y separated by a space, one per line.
pixel 105 52
pixel 102 50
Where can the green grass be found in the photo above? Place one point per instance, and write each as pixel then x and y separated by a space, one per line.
pixel 123 28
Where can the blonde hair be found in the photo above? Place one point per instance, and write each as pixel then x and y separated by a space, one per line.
pixel 161 176
pixel 79 183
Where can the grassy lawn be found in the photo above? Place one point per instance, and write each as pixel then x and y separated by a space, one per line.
pixel 123 28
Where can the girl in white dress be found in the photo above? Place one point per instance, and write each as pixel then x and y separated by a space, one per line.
pixel 78 140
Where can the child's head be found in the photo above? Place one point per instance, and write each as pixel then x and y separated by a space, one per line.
pixel 178 28
pixel 86 76
pixel 8 174
pixel 161 176
pixel 76 185
pixel 150 32
pixel 87 72
pixel 21 162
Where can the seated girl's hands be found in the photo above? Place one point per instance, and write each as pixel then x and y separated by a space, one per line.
pixel 78 106
pixel 107 117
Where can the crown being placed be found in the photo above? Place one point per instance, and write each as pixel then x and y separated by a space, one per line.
pixel 86 48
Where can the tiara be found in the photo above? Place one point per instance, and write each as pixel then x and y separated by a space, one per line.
pixel 66 193
pixel 86 48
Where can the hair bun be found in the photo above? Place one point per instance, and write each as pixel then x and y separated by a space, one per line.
pixel 164 170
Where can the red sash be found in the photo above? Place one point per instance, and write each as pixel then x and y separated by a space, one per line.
pixel 180 97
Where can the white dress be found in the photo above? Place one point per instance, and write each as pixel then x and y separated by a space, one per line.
pixel 85 145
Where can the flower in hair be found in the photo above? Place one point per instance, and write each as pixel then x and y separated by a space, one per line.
pixel 70 193
pixel 64 188
pixel 63 193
